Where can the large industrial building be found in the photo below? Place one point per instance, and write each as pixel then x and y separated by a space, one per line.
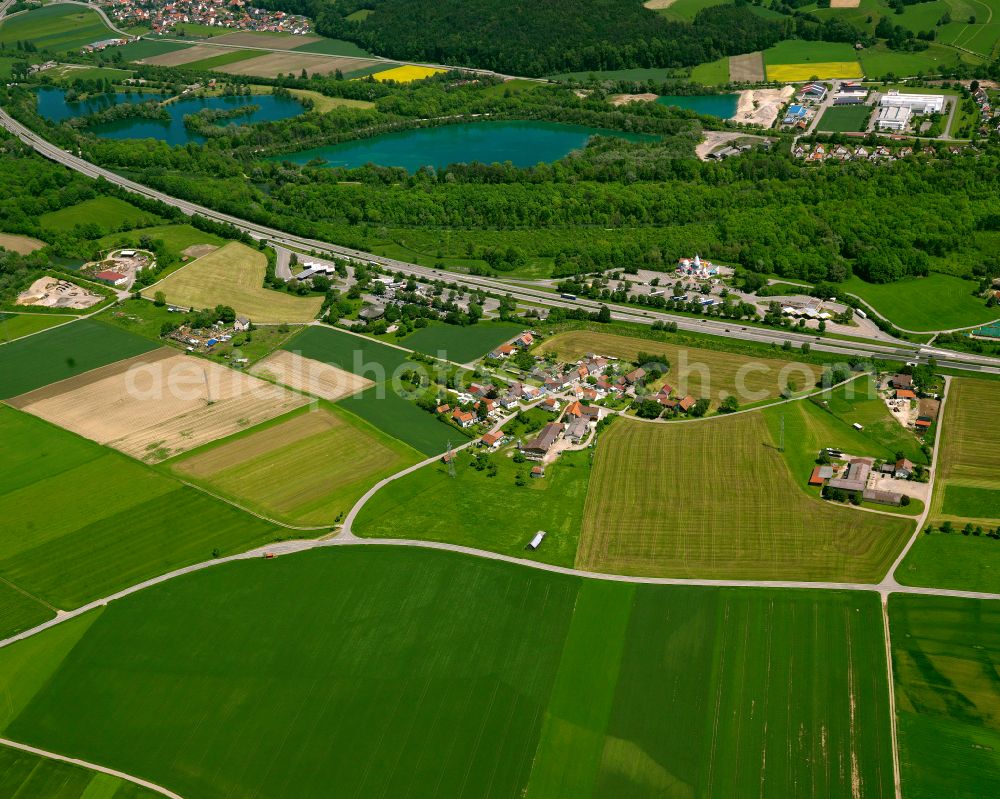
pixel 916 103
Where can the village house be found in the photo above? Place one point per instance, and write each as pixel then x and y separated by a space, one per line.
pixel 901 381
pixel 635 376
pixel 442 409
pixel 503 351
pixel 854 477
pixel 524 341
pixel 578 429
pixel 109 276
pixel 903 469
pixel 242 324
pixel 686 404
pixel 463 418
pixel 493 439
pixel 550 404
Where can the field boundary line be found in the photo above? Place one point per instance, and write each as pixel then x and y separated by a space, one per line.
pixel 91 767
pixel 891 683
pixel 261 516
pixel 28 594
pixel 43 330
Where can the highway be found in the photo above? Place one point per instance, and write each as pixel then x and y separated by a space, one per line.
pixel 717 327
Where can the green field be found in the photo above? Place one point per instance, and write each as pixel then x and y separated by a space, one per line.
pixel 946 658
pixel 965 563
pixel 430 674
pixel 476 510
pixel 177 238
pixel 379 405
pixel 686 10
pixel 56 28
pixel 846 118
pixel 971 502
pixel 234 275
pixel 712 73
pixel 935 302
pixel 82 521
pixel 880 61
pixel 328 459
pixel 26 775
pixel 799 51
pixel 62 352
pixel 108 213
pixel 461 344
pixel 14 326
pixel 333 47
pixel 716 499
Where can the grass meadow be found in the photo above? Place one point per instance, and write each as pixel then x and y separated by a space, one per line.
pixel 23 774
pixel 709 373
pixel 20 611
pixel 426 674
pixel 935 302
pixel 476 510
pixel 149 48
pixel 305 468
pixel 946 658
pixel 847 118
pixel 13 326
pixel 716 499
pixel 461 344
pixel 108 213
pixel 234 275
pixel 63 352
pixel 56 28
pixel 379 405
pixel 82 521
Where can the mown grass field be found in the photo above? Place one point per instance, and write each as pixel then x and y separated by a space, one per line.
pixel 108 213
pixel 224 58
pixel 464 678
pixel 14 326
pixel 63 352
pixel 308 468
pixel 379 405
pixel 82 521
pixel 26 775
pixel 716 499
pixel 149 48
pixel 858 402
pixel 476 510
pixel 946 661
pixel 56 28
pixel 234 275
pixel 177 238
pixel 460 344
pixel 702 373
pixel 841 119
pixel 935 302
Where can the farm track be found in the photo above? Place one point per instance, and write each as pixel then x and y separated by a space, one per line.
pixel 152 786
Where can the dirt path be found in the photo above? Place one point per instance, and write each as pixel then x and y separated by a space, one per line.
pixel 92 767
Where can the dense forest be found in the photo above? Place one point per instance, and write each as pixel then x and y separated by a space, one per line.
pixel 519 37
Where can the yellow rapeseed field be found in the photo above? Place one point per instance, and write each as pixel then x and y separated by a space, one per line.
pixel 407 73
pixel 820 69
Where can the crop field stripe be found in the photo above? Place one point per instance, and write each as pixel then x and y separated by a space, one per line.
pixel 572 739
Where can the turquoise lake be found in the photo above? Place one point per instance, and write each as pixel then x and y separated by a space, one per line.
pixel 52 105
pixel 714 105
pixel 523 143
